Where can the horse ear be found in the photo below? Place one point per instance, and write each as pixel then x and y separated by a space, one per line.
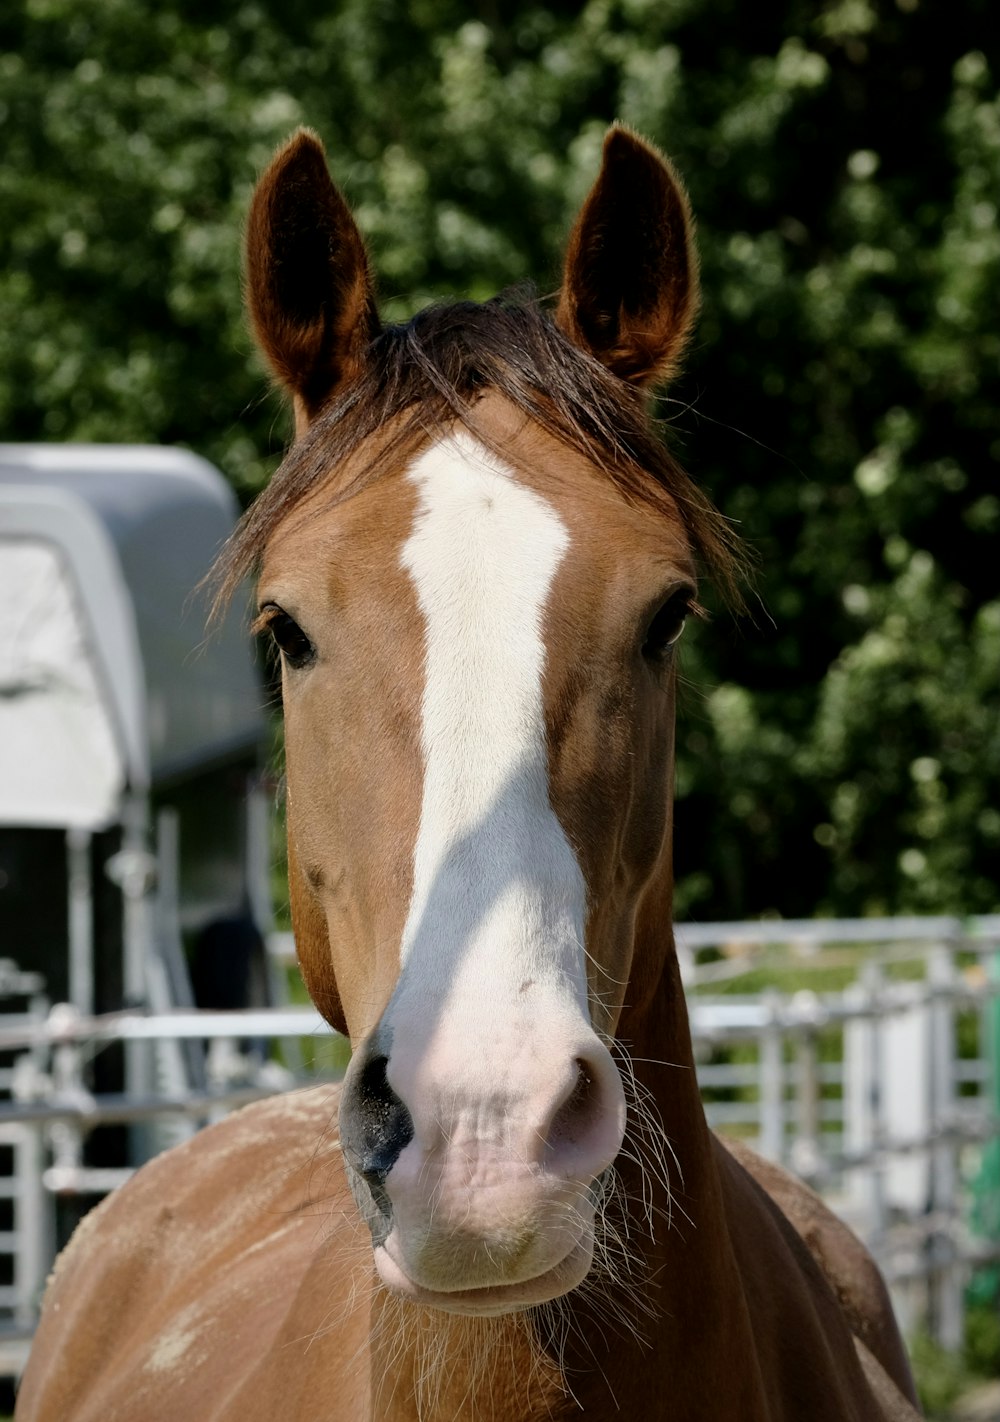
pixel 312 943
pixel 308 288
pixel 630 284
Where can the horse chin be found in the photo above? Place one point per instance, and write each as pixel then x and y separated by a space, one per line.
pixel 492 1300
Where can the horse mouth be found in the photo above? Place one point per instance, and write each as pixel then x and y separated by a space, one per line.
pixel 493 1299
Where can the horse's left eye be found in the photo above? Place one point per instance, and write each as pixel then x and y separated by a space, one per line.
pixel 288 637
pixel 666 626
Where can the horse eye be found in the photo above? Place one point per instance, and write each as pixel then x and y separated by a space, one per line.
pixel 289 638
pixel 666 626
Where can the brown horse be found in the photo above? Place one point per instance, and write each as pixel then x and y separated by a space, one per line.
pixel 476 562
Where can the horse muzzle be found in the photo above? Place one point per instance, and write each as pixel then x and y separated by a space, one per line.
pixel 476 1170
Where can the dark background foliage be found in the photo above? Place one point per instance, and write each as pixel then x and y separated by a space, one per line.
pixel 840 750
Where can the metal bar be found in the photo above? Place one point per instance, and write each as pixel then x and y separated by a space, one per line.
pixel 807 1158
pixel 122 1108
pixel 947 1282
pixel 63 1026
pixel 81 920
pixel 257 853
pixel 772 1083
pixel 34 1226
pixel 84 1180
pixel 922 928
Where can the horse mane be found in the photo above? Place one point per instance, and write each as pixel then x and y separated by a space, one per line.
pixel 429 373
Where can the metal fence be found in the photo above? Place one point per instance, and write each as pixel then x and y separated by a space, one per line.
pixel 860 1053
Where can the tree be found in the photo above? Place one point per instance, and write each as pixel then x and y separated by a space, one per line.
pixel 840 751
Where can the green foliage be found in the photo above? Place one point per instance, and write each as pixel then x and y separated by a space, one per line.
pixel 944 1378
pixel 842 751
pixel 941 1376
pixel 982 1340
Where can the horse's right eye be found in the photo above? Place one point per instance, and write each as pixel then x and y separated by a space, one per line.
pixel 288 637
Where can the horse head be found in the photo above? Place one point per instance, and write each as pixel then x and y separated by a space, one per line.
pixel 475 563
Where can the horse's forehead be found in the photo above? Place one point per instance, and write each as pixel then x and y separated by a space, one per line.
pixel 355 542
pixel 330 546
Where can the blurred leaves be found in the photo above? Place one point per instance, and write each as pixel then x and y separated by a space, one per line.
pixel 841 750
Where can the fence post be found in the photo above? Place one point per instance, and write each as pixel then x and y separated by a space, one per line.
pixel 946 1288
pixel 133 870
pixel 772 1081
pixel 66 1136
pixel 807 1157
pixel 34 1226
pixel 873 986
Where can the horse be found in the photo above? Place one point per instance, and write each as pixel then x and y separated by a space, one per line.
pixel 476 563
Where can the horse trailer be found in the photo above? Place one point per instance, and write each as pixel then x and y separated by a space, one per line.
pixel 133 815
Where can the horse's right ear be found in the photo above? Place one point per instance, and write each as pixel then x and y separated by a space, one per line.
pixel 308 287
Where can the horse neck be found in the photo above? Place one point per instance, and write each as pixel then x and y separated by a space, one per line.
pixel 646 1341
pixel 655 1035
pixel 666 1100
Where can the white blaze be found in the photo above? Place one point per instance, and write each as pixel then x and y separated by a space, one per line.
pixel 497 912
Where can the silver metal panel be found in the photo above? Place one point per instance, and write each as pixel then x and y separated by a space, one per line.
pixel 140 527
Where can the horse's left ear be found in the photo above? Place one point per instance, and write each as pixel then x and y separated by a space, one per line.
pixel 308 287
pixel 630 284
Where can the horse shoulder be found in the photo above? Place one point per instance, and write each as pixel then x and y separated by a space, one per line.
pixel 173 1292
pixel 846 1265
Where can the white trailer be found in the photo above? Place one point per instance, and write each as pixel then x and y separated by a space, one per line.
pixel 133 826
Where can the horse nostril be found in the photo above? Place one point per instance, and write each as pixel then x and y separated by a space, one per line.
pixel 587 1121
pixel 577 1110
pixel 385 1125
